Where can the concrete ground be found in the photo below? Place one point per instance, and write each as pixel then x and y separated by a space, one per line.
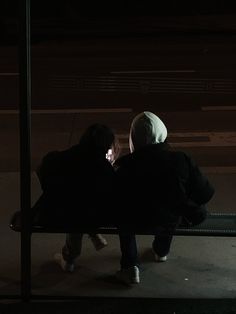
pixel 198 267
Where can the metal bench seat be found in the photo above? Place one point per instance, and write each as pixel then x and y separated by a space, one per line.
pixel 216 224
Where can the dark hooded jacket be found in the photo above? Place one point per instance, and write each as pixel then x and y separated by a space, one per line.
pixel 160 185
pixel 78 186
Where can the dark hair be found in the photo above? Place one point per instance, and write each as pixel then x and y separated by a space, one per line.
pixel 98 136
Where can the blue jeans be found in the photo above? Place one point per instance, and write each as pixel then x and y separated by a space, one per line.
pixel 129 253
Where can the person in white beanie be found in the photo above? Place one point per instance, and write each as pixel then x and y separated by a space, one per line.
pixel 160 187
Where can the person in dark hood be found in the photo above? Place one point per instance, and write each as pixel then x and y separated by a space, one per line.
pixel 162 187
pixel 78 186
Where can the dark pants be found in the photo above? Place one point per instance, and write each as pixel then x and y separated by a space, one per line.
pixel 72 247
pixel 129 253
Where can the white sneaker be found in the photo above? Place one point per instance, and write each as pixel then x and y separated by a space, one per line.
pixel 159 259
pixel 65 266
pixel 129 276
pixel 98 241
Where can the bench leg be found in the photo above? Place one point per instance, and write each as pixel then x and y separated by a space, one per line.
pixel 26 267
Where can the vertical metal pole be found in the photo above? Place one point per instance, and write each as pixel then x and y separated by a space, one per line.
pixel 25 144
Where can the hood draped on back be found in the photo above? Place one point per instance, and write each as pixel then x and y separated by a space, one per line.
pixel 146 128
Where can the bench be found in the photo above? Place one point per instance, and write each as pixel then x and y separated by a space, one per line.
pixel 216 224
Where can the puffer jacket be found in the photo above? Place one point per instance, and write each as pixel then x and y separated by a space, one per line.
pixel 160 185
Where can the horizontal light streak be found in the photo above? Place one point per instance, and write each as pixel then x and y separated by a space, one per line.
pixel 219 169
pixel 218 108
pixel 70 111
pixel 9 74
pixel 217 139
pixel 153 71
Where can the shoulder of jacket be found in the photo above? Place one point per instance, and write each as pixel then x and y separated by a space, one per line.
pixel 51 155
pixel 123 160
pixel 182 162
pixel 180 155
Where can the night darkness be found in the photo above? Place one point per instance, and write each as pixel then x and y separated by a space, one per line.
pixel 107 61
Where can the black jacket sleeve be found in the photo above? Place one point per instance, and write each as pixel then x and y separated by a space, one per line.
pixel 48 169
pixel 200 189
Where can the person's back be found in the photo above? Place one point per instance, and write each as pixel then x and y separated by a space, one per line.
pixel 77 183
pixel 161 186
pixel 159 181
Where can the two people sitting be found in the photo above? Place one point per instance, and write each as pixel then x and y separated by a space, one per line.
pixel 157 187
